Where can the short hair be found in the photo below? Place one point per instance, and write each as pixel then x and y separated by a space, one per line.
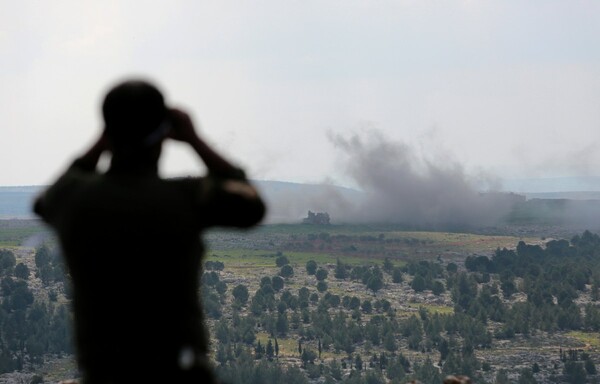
pixel 133 110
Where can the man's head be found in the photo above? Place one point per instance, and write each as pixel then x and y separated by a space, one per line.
pixel 134 112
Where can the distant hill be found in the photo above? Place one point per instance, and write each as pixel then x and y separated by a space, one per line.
pixel 552 185
pixel 15 202
pixel 287 202
pixel 572 195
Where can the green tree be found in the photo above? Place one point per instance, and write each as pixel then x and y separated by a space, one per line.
pixel 397 275
pixel 590 367
pixel 372 333
pixel 308 356
pixel 575 372
pixel 508 287
pixel 221 287
pixel 358 363
pixel 452 268
pixel 374 377
pixel 287 271
pixel 395 371
pixel 269 350
pixel 502 377
pixel 526 377
pixel 375 283
pixel 222 331
pixel 428 373
pixel 221 355
pixel 314 298
pixel 313 371
pixel 388 266
pixel 341 271
pixel 321 274
pixel 418 283
pixel 277 283
pixel 212 305
pixel 22 271
pixel 240 293
pixel 281 307
pixel 319 347
pixel 366 306
pixel 265 281
pixel 210 278
pixel 321 286
pixel 444 348
pixel 282 324
pixel 335 370
pixel 438 288
pixel 303 294
pixel 389 342
pixel 42 256
pixel 332 300
pixel 214 265
pixel 259 350
pixel 20 298
pixel 7 262
pixel 311 267
pixel 293 375
pixel 281 261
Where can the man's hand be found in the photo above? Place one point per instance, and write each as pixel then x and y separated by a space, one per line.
pixel 182 128
pixel 90 158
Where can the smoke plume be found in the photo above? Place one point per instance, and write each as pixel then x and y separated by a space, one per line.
pixel 403 186
pixel 395 184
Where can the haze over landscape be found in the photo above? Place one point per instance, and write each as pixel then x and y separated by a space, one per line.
pixel 440 162
pixel 509 90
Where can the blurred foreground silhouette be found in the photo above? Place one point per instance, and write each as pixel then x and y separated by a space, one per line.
pixel 132 246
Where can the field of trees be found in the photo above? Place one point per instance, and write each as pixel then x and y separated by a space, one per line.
pixel 346 304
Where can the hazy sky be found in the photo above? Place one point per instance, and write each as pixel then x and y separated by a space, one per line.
pixel 509 88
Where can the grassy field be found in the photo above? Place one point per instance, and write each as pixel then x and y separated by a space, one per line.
pixel 353 245
pixel 288 347
pixel 250 255
pixel 325 244
pixel 241 258
pixel 591 340
pixel 17 232
pixel 440 309
pixel 389 231
pixel 21 232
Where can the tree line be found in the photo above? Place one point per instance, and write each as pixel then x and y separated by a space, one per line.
pixel 326 322
pixel 371 344
pixel 32 325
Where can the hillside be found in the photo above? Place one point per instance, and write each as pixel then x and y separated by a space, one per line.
pixel 363 304
pixel 289 203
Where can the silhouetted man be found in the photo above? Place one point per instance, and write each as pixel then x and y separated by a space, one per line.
pixel 131 242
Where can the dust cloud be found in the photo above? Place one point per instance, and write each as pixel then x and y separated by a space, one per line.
pixel 394 184
pixel 402 186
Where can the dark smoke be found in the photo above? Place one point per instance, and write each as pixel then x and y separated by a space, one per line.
pixel 395 185
pixel 401 187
